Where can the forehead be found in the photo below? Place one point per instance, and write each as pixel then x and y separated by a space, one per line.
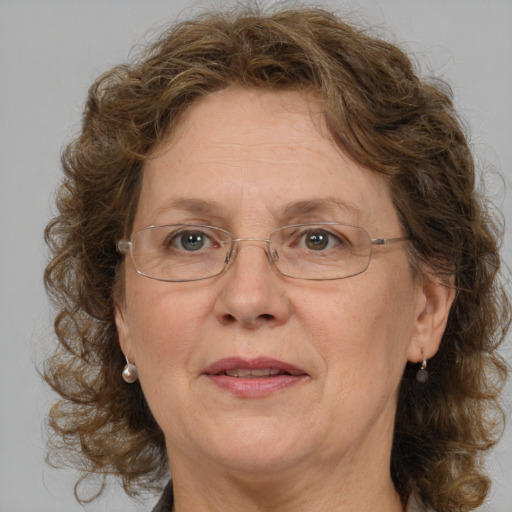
pixel 266 152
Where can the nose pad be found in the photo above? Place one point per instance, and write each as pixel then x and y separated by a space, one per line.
pixel 230 256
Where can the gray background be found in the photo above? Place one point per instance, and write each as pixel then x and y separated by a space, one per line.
pixel 50 51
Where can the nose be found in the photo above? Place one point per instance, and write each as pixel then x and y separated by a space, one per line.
pixel 252 293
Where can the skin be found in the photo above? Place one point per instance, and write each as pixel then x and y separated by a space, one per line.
pixel 323 443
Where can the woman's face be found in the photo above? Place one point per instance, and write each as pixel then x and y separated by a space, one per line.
pixel 250 162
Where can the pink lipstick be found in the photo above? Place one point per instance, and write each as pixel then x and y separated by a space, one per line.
pixel 253 378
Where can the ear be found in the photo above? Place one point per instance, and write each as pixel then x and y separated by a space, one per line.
pixel 435 299
pixel 123 332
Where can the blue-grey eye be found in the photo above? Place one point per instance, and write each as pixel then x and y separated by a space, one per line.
pixel 190 241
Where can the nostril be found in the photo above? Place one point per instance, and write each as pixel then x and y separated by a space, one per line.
pixel 229 319
pixel 248 322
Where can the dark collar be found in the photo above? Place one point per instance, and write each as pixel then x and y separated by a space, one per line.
pixel 166 500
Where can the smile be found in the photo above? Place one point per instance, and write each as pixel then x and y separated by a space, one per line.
pixel 247 373
pixel 254 378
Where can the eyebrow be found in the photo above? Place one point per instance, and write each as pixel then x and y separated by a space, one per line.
pixel 297 208
pixel 192 205
pixel 292 209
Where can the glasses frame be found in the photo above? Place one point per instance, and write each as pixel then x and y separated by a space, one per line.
pixel 124 246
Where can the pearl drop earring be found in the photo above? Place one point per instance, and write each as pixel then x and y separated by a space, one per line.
pixel 130 374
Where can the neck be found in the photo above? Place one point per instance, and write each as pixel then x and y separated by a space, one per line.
pixel 366 486
pixel 280 497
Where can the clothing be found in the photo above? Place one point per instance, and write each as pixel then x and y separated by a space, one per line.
pixel 167 499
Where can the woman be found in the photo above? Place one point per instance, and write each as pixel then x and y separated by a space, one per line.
pixel 275 278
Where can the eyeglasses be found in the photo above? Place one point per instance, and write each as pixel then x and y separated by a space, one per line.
pixel 191 252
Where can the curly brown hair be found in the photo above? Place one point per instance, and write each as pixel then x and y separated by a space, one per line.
pixel 385 118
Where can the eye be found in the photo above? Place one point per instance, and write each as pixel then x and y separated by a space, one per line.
pixel 191 241
pixel 319 240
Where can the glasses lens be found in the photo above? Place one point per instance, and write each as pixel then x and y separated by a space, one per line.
pixel 180 252
pixel 321 251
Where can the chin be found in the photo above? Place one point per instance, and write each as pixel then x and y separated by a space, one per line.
pixel 254 446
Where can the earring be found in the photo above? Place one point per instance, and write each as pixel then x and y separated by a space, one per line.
pixel 422 375
pixel 129 374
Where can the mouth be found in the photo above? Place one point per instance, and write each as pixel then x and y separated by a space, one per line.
pixel 259 368
pixel 253 378
pixel 247 373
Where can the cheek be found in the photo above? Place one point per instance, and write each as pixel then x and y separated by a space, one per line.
pixel 164 323
pixel 363 329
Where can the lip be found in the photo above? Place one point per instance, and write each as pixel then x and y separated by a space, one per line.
pixel 254 387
